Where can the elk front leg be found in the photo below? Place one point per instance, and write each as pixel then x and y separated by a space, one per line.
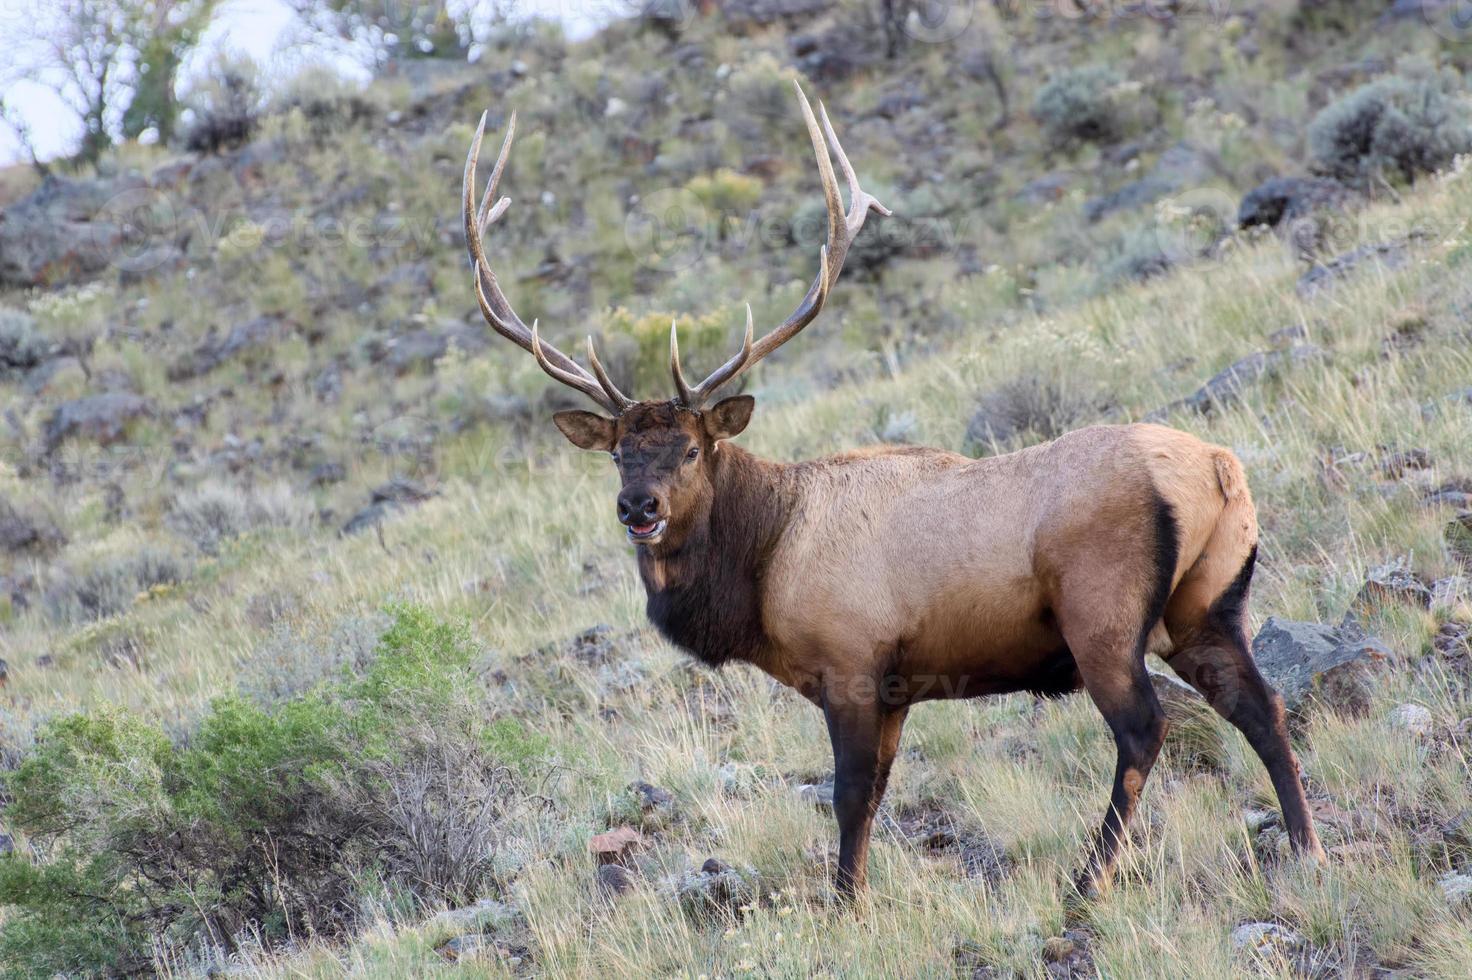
pixel 865 736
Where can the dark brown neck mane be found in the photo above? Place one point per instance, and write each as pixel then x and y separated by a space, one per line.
pixel 706 597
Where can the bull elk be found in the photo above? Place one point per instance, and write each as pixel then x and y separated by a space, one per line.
pixel 876 579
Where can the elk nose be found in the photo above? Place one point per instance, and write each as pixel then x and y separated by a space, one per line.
pixel 637 506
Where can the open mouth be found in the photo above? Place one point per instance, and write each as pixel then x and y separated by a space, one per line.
pixel 646 532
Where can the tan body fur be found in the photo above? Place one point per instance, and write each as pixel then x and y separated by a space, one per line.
pixel 957 566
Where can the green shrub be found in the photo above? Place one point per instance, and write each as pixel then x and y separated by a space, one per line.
pixel 1081 105
pixel 1395 128
pixel 269 819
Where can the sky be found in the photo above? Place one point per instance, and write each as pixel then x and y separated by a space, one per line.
pixel 258 28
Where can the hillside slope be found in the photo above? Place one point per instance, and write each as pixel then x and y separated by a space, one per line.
pixel 272 450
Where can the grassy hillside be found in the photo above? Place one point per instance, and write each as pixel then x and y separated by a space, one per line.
pixel 285 367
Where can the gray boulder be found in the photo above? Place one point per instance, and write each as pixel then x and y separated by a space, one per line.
pixel 1283 200
pixel 1226 387
pixel 1388 255
pixel 1311 661
pixel 70 231
pixel 102 419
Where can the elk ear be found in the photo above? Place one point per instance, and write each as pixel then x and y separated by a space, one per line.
pixel 586 430
pixel 729 416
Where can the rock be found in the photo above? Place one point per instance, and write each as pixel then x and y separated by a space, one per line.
pixel 326 473
pixel 1181 701
pixel 102 419
pixel 743 12
pixel 1449 591
pixel 1266 938
pixel 1413 718
pixel 1397 464
pixel 1227 386
pixel 20 532
pixel 1458 534
pixel 469 947
pixel 486 913
pixel 1388 255
pixel 1393 582
pixel 1286 199
pixel 385 500
pixel 257 333
pixel 616 846
pixel 69 231
pixel 1135 194
pixel 22 349
pixel 421 348
pixel 4 674
pixel 615 880
pixel 651 797
pixel 1046 189
pixel 7 845
pixel 1057 949
pixel 818 795
pixel 716 891
pixel 1457 887
pixel 1310 660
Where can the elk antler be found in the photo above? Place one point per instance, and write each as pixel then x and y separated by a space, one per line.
pixel 842 230
pixel 493 303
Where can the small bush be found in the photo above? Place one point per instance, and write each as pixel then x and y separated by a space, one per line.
pixel 107 585
pixel 213 513
pixel 1030 405
pixel 21 346
pixel 225 110
pixel 1081 105
pixel 327 101
pixel 1395 128
pixel 269 820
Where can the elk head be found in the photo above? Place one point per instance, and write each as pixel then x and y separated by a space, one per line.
pixel 665 449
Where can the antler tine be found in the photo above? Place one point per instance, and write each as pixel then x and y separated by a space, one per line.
pixel 843 228
pixel 493 303
pixel 622 400
pixel 683 391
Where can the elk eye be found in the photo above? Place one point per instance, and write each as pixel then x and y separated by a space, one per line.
pixel 614 456
pixel 692 454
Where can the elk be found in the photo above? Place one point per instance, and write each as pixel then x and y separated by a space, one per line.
pixel 880 578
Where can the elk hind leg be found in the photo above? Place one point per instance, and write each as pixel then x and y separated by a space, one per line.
pixel 1214 657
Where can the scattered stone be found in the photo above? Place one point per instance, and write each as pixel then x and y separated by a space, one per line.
pixel 1396 465
pixel 616 846
pixel 469 947
pixel 1310 660
pixel 1387 255
pixel 324 474
pixel 715 891
pixel 1057 949
pixel 1181 701
pixel 1048 188
pixel 102 419
pixel 1394 582
pixel 7 845
pixel 1457 887
pixel 651 797
pixel 484 914
pixel 596 645
pixel 931 828
pixel 1266 938
pixel 1453 639
pixel 395 495
pixel 615 880
pixel 21 532
pixel 1283 200
pixel 1412 718
pixel 255 334
pixel 818 795
pixel 1458 535
pixel 1227 386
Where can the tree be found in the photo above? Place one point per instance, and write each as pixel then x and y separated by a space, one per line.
pixel 99 56
pixel 177 27
pixel 377 32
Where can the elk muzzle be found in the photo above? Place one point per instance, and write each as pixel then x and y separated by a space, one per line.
pixel 641 510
